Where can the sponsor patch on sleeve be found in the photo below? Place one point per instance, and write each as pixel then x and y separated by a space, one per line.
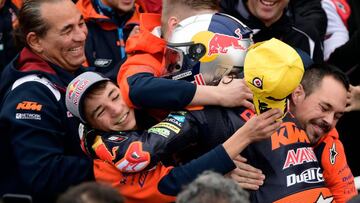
pixel 169 126
pixel 135 159
pixel 29 105
pixel 27 116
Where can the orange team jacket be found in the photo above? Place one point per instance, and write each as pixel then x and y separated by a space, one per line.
pixel 161 184
pixel 145 54
pixel 336 172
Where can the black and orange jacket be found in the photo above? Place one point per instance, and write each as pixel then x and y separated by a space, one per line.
pixel 139 76
pixel 134 161
pixel 292 170
pixel 339 179
pixel 107 35
pixel 8 22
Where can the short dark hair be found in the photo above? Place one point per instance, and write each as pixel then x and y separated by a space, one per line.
pixel 316 72
pixel 91 192
pixel 31 20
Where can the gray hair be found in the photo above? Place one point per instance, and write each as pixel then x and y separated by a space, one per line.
pixel 31 20
pixel 212 187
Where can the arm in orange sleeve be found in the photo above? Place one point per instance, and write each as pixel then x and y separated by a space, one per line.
pixel 337 174
pixel 133 66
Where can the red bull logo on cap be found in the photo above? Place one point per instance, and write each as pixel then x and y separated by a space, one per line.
pixel 220 43
pixel 77 90
pixel 72 88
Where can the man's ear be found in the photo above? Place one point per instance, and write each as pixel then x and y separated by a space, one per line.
pixel 34 42
pixel 298 94
pixel 172 23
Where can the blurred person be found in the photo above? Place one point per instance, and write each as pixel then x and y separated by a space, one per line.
pixel 8 15
pixel 337 13
pixel 155 53
pixel 212 187
pixel 353 100
pixel 152 6
pixel 355 199
pixel 277 19
pixel 110 23
pixel 39 143
pixel 90 192
pixel 346 58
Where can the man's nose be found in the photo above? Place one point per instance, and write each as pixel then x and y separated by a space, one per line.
pixel 80 34
pixel 330 120
pixel 115 109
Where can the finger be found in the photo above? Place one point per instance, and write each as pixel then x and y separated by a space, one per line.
pixel 240 158
pixel 242 179
pixel 249 168
pixel 351 88
pixel 348 108
pixel 272 127
pixel 270 113
pixel 247 95
pixel 226 80
pixel 272 120
pixel 251 177
pixel 248 186
pixel 248 105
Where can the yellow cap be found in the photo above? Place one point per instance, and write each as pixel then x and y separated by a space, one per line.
pixel 272 70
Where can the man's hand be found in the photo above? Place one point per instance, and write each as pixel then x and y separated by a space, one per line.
pixel 262 126
pixel 353 99
pixel 245 175
pixel 235 92
pixel 259 127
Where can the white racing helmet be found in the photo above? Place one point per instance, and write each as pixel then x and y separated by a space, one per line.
pixel 206 47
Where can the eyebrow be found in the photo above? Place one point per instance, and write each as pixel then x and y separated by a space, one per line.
pixel 111 92
pixel 71 25
pixel 94 111
pixel 327 105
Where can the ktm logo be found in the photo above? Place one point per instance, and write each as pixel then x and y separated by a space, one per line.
pixel 288 133
pixel 28 105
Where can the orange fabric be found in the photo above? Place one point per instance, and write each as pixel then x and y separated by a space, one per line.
pixel 85 64
pixel 337 174
pixel 134 187
pixel 145 54
pixel 308 196
pixel 89 12
pixel 17 3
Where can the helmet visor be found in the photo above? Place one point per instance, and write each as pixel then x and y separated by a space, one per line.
pixel 174 58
